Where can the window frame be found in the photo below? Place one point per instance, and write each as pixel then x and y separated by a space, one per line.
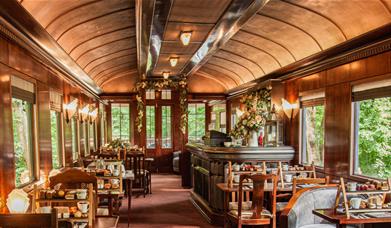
pixel 60 149
pixel 196 115
pixel 121 106
pixel 302 130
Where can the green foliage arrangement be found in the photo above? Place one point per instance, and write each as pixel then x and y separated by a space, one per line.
pixel 181 85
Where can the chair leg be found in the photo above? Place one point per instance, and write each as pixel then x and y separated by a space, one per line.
pixel 150 183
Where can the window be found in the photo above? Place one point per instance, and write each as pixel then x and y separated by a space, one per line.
pixel 84 137
pixel 312 145
pixel 166 94
pixel 372 132
pixel 150 94
pixel 23 143
pixel 75 141
pixel 217 123
pixel 150 117
pixel 55 120
pixel 120 121
pixel 91 134
pixel 196 122
pixel 166 127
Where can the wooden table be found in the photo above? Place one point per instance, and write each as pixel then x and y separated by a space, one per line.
pixel 235 188
pixel 129 178
pixel 342 221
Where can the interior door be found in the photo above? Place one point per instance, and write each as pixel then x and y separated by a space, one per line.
pixel 159 131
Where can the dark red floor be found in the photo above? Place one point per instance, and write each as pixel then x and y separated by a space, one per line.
pixel 167 206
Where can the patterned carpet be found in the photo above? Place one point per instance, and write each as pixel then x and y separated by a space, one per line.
pixel 167 206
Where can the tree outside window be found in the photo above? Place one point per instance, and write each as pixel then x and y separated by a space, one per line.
pixel 56 137
pixel 313 135
pixel 373 137
pixel 196 124
pixel 120 122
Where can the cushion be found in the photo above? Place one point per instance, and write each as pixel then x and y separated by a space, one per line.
pixel 280 206
pixel 319 226
pixel 246 214
pixel 245 205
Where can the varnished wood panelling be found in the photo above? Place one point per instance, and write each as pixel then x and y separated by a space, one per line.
pixel 7 157
pixel 109 126
pixel 4 50
pixel 338 74
pixel 44 126
pixel 379 64
pixel 312 82
pixel 337 129
pixel 292 125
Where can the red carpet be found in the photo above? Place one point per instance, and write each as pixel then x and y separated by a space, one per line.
pixel 167 206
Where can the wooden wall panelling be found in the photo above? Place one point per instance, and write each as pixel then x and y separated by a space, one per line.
pixel 108 119
pixel 228 115
pixel 337 130
pixel 208 116
pixel 4 51
pixel 312 82
pixel 44 126
pixel 292 125
pixel 7 157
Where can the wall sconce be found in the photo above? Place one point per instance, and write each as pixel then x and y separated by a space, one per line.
pixel 70 109
pixel 93 115
pixel 18 201
pixel 289 109
pixel 185 37
pixel 239 112
pixel 174 61
pixel 166 74
pixel 83 113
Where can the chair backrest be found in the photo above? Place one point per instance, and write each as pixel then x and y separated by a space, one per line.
pixel 309 181
pixel 73 178
pixel 29 220
pixel 298 212
pixel 135 162
pixel 259 181
pixel 112 155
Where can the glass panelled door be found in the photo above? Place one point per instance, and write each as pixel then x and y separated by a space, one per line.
pixel 159 133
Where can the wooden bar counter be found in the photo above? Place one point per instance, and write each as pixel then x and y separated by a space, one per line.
pixel 203 167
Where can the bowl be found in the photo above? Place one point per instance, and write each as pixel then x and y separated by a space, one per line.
pixel 227 144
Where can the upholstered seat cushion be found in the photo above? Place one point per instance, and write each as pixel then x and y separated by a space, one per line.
pixel 246 214
pixel 319 226
pixel 280 206
pixel 245 205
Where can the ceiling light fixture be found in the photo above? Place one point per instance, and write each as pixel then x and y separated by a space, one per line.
pixel 166 74
pixel 174 61
pixel 185 37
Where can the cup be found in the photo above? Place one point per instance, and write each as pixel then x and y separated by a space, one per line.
pixel 114 181
pixel 45 210
pixel 83 206
pixel 285 167
pixel 116 172
pixel 235 167
pixel 352 186
pixel 355 203
pixel 81 194
pixel 288 178
pixel 236 178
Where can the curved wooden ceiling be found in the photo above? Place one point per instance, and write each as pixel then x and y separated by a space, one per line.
pixel 287 31
pixel 98 35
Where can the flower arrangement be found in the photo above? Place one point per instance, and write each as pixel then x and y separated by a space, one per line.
pixel 117 143
pixel 257 111
pixel 159 85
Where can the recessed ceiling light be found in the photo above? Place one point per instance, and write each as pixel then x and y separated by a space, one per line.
pixel 174 61
pixel 185 37
pixel 166 74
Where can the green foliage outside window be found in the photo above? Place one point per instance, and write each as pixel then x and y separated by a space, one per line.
pixel 150 124
pixel 196 125
pixel 54 122
pixel 374 138
pixel 120 122
pixel 21 123
pixel 313 137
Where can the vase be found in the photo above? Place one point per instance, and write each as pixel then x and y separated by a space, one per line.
pixel 253 139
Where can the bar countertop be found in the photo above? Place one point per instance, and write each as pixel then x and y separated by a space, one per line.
pixel 246 153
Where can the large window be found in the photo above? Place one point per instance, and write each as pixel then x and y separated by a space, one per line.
pixel 75 141
pixel 120 121
pixel 372 141
pixel 23 141
pixel 91 134
pixel 196 124
pixel 166 127
pixel 150 117
pixel 55 120
pixel 312 144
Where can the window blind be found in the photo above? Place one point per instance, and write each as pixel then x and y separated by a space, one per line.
pixel 55 101
pixel 22 89
pixel 372 90
pixel 309 99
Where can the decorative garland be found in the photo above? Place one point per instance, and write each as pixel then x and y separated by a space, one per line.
pixel 159 85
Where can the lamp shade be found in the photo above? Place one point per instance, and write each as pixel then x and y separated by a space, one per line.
pixel 185 37
pixel 18 201
pixel 70 109
pixel 289 109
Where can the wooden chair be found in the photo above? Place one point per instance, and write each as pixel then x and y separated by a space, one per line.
pixel 73 178
pixel 136 163
pixel 29 220
pixel 308 181
pixel 257 214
